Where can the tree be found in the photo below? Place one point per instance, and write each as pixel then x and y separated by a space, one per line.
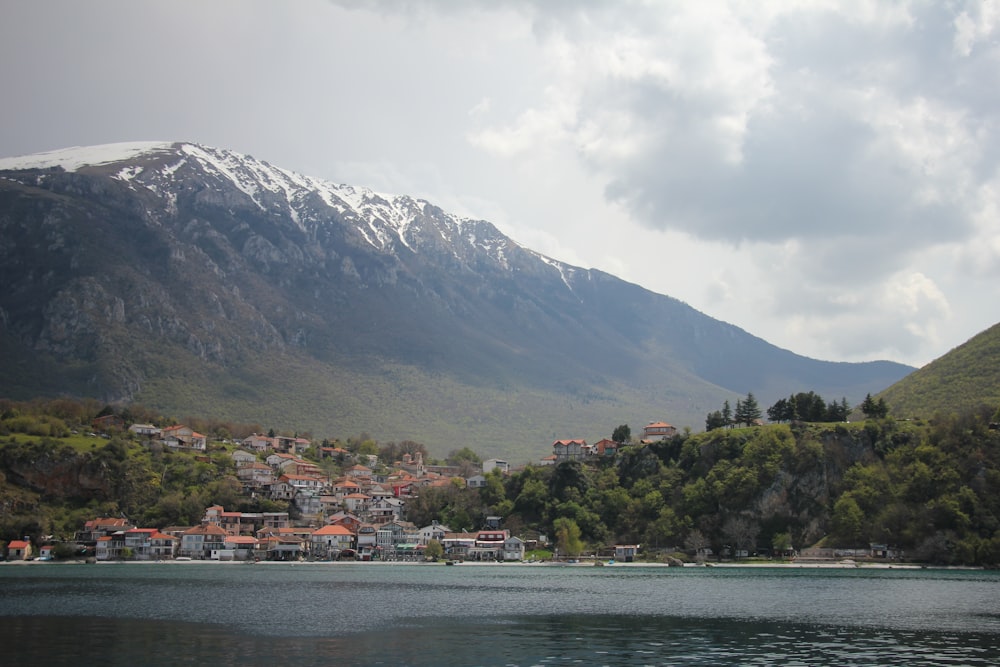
pixel 874 409
pixel 747 411
pixel 848 521
pixel 781 543
pixel 727 414
pixel 622 434
pixel 567 534
pixel 434 550
pixel 779 412
pixel 742 532
pixel 715 420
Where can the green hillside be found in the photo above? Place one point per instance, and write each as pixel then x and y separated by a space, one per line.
pixel 966 377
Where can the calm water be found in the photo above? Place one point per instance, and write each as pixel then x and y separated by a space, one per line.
pixel 369 614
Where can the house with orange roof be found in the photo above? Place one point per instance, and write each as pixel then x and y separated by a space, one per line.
pixel 239 547
pixel 359 503
pixel 569 450
pixel 358 470
pixel 163 546
pixel 184 437
pixel 656 431
pixel 330 540
pixel 203 541
pixel 606 447
pixel 258 442
pixel 18 550
pixel 137 541
pixel 255 475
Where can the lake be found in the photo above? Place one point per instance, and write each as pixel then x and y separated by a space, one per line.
pixel 509 615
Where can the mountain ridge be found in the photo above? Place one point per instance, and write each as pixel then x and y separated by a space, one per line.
pixel 147 275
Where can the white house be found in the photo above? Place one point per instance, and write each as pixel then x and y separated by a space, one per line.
pixel 513 548
pixel 490 464
pixel 435 531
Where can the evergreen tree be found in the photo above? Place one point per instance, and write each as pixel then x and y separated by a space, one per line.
pixel 727 414
pixel 714 420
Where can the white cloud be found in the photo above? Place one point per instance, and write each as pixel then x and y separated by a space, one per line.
pixel 824 174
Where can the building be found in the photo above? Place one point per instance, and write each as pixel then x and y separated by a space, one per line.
pixel 490 464
pixel 654 431
pixel 569 450
pixel 184 437
pixel 18 550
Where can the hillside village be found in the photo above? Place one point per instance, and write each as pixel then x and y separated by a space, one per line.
pixel 359 515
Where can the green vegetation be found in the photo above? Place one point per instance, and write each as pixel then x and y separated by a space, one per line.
pixel 964 378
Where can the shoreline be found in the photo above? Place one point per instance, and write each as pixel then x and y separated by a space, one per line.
pixel 819 565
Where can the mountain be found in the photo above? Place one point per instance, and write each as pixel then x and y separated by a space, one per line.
pixel 204 282
pixel 964 378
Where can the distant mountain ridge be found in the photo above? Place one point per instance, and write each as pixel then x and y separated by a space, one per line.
pixel 202 281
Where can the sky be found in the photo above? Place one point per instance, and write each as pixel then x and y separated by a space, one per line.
pixel 823 175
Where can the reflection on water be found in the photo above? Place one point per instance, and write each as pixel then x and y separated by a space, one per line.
pixel 494 615
pixel 522 641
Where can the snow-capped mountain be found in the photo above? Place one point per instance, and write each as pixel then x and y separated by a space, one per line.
pixel 202 280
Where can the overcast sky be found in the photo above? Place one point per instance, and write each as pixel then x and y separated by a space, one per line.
pixel 821 174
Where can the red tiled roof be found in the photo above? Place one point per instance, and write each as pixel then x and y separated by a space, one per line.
pixel 332 529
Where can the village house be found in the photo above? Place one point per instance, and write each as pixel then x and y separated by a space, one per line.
pixel 255 475
pixel 98 528
pixel 203 542
pixel 458 545
pixel 491 464
pixel 569 450
pixel 435 531
pixel 625 553
pixel 145 430
pixel 351 522
pixel 358 503
pixel 243 458
pixel 138 543
pixel 18 550
pixel 656 431
pixel 330 540
pixel 476 482
pixel 184 437
pixel 385 509
pixel 489 545
pixel 258 443
pixel 606 447
pixel 108 423
pixel 367 541
pixel 163 546
pixel 513 548
pixel 239 547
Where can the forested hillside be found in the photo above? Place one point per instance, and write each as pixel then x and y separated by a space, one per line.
pixel 926 488
pixel 965 377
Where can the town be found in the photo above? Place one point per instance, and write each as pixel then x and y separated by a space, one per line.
pixel 359 515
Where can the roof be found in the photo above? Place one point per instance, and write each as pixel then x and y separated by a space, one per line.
pixel 210 529
pixel 572 441
pixel 17 544
pixel 657 425
pixel 332 529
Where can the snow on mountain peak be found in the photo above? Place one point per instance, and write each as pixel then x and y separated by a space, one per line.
pixel 73 158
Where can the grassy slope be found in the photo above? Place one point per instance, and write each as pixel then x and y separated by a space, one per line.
pixel 966 377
